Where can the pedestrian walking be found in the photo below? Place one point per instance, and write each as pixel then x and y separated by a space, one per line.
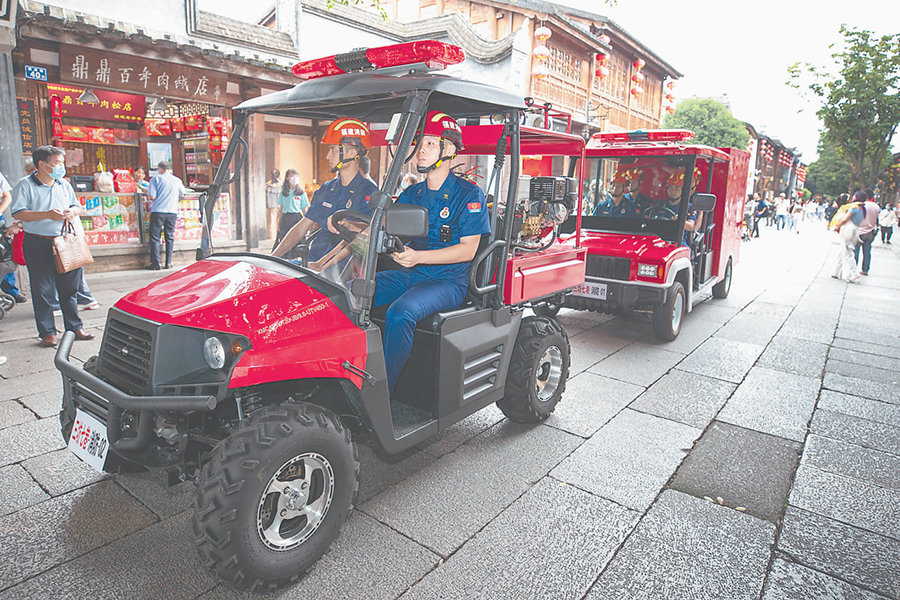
pixel 294 203
pixel 846 223
pixel 782 208
pixel 43 201
pixel 8 283
pixel 868 229
pixel 164 190
pixel 797 213
pixel 887 219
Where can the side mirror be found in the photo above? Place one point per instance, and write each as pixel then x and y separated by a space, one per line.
pixel 704 202
pixel 406 220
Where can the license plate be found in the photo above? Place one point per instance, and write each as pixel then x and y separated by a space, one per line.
pixel 590 290
pixel 88 440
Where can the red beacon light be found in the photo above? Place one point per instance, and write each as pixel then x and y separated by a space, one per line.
pixel 643 135
pixel 430 53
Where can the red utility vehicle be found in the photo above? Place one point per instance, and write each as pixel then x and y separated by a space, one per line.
pixel 245 373
pixel 639 190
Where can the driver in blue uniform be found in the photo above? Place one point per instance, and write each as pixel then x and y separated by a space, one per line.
pixel 617 203
pixel 435 273
pixel 348 141
pixel 668 210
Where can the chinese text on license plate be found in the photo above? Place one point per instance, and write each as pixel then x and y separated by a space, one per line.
pixel 590 290
pixel 88 440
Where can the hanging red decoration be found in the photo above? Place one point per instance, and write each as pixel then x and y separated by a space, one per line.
pixel 541 52
pixel 602 72
pixel 604 39
pixel 55 106
pixel 637 77
pixel 543 33
pixel 670 97
pixel 57 127
pixel 670 85
pixel 540 72
pixel 637 91
pixel 639 63
pixel 670 109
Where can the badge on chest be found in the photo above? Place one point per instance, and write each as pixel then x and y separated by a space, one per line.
pixel 445 212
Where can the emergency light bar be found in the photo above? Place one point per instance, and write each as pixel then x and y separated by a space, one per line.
pixel 643 135
pixel 434 54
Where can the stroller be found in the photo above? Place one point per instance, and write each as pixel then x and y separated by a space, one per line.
pixel 7 302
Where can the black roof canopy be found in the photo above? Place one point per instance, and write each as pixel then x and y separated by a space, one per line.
pixel 377 96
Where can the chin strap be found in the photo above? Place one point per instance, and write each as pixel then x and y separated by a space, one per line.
pixel 359 154
pixel 439 161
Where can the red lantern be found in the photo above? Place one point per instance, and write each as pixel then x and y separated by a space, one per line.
pixel 670 85
pixel 637 91
pixel 57 127
pixel 639 63
pixel 670 109
pixel 540 72
pixel 601 57
pixel 637 77
pixel 543 33
pixel 541 52
pixel 602 72
pixel 604 39
pixel 670 97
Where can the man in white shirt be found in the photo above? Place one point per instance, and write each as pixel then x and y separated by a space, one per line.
pixel 165 189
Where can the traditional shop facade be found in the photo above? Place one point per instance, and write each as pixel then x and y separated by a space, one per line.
pixel 115 96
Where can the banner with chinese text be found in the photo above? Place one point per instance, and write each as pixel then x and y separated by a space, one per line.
pixel 113 106
pixel 28 124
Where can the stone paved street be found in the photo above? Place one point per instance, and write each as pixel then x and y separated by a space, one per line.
pixel 757 456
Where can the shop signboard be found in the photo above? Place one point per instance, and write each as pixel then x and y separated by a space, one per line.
pixel 141 75
pixel 113 106
pixel 27 123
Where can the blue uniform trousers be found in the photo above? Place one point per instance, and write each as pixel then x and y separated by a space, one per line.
pixel 412 297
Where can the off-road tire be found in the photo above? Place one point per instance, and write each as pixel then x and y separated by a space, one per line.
pixel 666 323
pixel 235 486
pixel 721 289
pixel 535 362
pixel 547 309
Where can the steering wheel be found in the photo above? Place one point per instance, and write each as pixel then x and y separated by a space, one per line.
pixel 646 214
pixel 350 215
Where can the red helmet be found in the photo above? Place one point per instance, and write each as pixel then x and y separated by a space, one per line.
pixel 442 125
pixel 347 131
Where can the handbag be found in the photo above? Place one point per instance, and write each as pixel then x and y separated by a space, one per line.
pixel 70 250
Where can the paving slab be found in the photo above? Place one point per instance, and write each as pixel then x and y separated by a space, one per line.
pixel 861 387
pixel 773 402
pixel 45 404
pixel 867 347
pixel 355 567
pixel 12 413
pixel 790 581
pixel 722 359
pixel 862 432
pixel 583 358
pixel 32 383
pixel 18 490
pixel 630 459
pixel 811 327
pixel 64 528
pixel 156 495
pixel 685 397
pixel 559 554
pixel 868 333
pixel 29 439
pixel 458 434
pixel 848 500
pixel 488 474
pixel 860 557
pixel 863 358
pixel 864 408
pixel 693 333
pixel 691 549
pixel 589 402
pixel 24 359
pixel 768 309
pixel 749 328
pixel 713 311
pixel 744 468
pixel 850 460
pixel 605 339
pixel 378 472
pixel 885 376
pixel 637 363
pixel 793 355
pixel 61 472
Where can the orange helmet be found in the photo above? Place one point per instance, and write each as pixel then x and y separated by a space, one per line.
pixel 442 125
pixel 677 177
pixel 624 175
pixel 347 131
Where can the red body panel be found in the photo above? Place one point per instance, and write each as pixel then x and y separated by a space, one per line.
pixel 729 184
pixel 639 248
pixel 539 274
pixel 295 332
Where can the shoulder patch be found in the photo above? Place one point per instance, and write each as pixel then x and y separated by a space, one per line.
pixel 474 207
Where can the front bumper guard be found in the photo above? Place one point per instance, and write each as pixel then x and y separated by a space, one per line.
pixel 119 401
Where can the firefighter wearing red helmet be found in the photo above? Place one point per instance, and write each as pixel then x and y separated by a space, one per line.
pixel 435 273
pixel 348 141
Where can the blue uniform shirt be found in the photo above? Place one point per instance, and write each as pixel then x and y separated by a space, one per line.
pixel 165 190
pixel 31 194
pixel 625 209
pixel 459 205
pixel 329 199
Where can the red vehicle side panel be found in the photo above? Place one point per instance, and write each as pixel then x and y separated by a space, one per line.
pixel 729 184
pixel 543 273
pixel 295 331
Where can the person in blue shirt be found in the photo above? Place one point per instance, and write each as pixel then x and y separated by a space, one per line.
pixel 616 203
pixel 164 190
pixel 43 201
pixel 348 141
pixel 633 192
pixel 435 273
pixel 293 203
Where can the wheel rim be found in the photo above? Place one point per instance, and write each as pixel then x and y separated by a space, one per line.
pixel 728 277
pixel 295 501
pixel 677 311
pixel 548 374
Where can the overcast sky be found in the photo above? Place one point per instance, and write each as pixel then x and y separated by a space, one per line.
pixel 742 49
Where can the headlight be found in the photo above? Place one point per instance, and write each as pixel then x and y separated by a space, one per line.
pixel 647 271
pixel 214 353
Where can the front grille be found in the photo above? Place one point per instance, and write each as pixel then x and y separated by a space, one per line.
pixel 125 356
pixel 608 267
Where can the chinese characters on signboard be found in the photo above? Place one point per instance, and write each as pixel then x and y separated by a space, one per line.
pixel 148 77
pixel 27 123
pixel 113 106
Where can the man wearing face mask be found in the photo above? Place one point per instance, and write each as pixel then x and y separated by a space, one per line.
pixel 348 141
pixel 44 201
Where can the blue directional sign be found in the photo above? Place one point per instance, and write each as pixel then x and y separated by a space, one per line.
pixel 37 73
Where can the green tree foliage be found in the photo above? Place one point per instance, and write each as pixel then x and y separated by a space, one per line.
pixel 710 121
pixel 860 104
pixel 829 174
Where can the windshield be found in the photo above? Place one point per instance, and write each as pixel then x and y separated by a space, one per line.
pixel 646 194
